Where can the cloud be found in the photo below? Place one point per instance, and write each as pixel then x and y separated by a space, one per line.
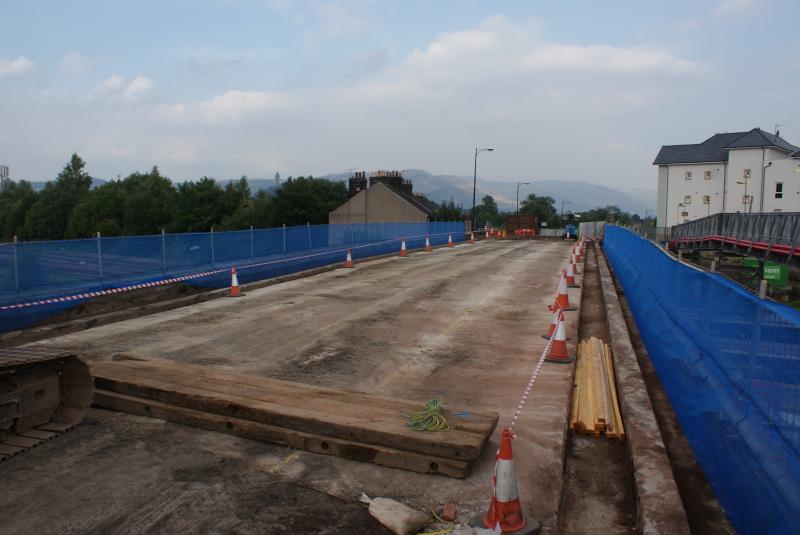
pixel 74 64
pixel 736 8
pixel 138 86
pixel 15 67
pixel 109 86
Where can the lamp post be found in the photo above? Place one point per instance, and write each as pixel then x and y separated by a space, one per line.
pixel 518 184
pixel 475 182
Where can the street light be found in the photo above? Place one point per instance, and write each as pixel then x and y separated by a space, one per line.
pixel 475 183
pixel 518 184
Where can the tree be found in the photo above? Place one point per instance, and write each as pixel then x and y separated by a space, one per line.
pixel 16 198
pixel 100 210
pixel 149 203
pixel 199 205
pixel 543 207
pixel 448 211
pixel 49 216
pixel 487 212
pixel 307 200
pixel 257 212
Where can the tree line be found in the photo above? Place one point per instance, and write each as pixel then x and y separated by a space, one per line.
pixel 146 203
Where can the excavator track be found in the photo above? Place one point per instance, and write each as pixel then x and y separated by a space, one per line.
pixel 43 394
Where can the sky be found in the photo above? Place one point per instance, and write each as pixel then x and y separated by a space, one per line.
pixel 561 90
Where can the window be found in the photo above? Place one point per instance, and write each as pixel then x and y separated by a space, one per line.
pixel 688 175
pixel 687 199
pixel 707 175
pixel 745 199
pixel 706 199
pixel 746 173
pixel 779 190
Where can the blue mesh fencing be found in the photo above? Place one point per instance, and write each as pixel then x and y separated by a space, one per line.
pixel 730 364
pixel 47 270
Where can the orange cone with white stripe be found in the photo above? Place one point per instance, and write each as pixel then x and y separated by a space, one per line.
pixel 558 315
pixel 576 251
pixel 403 248
pixel 472 237
pixel 349 262
pixel 427 245
pixel 449 240
pixel 487 233
pixel 574 265
pixel 235 291
pixel 558 347
pixel 505 510
pixel 569 274
pixel 562 298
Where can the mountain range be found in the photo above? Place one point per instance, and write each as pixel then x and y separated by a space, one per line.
pixel 578 196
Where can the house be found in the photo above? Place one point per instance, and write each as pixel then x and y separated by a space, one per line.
pixel 753 171
pixel 388 197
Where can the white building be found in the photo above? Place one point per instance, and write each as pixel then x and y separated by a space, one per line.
pixel 750 172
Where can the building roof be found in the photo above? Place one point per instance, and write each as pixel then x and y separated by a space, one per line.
pixel 715 149
pixel 411 199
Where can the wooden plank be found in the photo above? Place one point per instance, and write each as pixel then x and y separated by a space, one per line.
pixel 38 434
pixel 306 441
pixel 9 450
pixel 21 442
pixel 55 427
pixel 477 422
pixel 301 411
pixel 613 386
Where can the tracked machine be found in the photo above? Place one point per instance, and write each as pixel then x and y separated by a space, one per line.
pixel 43 393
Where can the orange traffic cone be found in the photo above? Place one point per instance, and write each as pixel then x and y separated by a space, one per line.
pixel 349 262
pixel 403 248
pixel 487 233
pixel 505 511
pixel 558 315
pixel 576 251
pixel 449 240
pixel 427 245
pixel 558 347
pixel 574 265
pixel 235 291
pixel 562 298
pixel 472 237
pixel 569 273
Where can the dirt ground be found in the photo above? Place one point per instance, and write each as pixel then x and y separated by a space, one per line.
pixel 464 324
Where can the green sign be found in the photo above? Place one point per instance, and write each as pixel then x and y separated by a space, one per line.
pixel 776 274
pixel 749 262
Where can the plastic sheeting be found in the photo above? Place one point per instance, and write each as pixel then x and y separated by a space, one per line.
pixel 31 271
pixel 730 364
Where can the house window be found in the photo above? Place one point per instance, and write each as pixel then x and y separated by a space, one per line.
pixel 707 175
pixel 706 199
pixel 687 199
pixel 779 190
pixel 688 175
pixel 746 173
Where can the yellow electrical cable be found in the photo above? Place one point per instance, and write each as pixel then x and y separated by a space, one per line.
pixel 428 419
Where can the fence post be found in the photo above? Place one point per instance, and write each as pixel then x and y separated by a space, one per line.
pixel 308 228
pixel 252 250
pixel 369 231
pixel 163 252
pixel 99 258
pixel 212 247
pixel 16 267
pixel 284 238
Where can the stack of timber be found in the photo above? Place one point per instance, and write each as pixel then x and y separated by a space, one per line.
pixel 352 425
pixel 595 407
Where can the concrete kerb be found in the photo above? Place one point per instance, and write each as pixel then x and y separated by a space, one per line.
pixel 42 332
pixel 659 509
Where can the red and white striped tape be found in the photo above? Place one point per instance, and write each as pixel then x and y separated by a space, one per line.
pixel 99 293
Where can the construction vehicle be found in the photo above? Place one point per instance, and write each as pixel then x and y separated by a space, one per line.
pixel 43 393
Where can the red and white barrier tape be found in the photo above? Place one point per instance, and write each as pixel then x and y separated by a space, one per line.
pixel 534 375
pixel 164 282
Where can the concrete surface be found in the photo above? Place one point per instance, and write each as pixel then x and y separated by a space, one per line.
pixel 659 507
pixel 464 324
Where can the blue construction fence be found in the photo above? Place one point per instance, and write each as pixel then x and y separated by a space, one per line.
pixel 730 364
pixel 32 272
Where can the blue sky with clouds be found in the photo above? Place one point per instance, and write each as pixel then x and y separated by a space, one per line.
pixel 563 90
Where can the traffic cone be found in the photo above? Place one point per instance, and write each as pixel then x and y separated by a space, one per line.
pixel 562 298
pixel 558 347
pixel 427 245
pixel 235 291
pixel 505 510
pixel 569 274
pixel 576 251
pixel 558 315
pixel 403 248
pixel 349 262
pixel 472 237
pixel 449 240
pixel 574 265
pixel 487 233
